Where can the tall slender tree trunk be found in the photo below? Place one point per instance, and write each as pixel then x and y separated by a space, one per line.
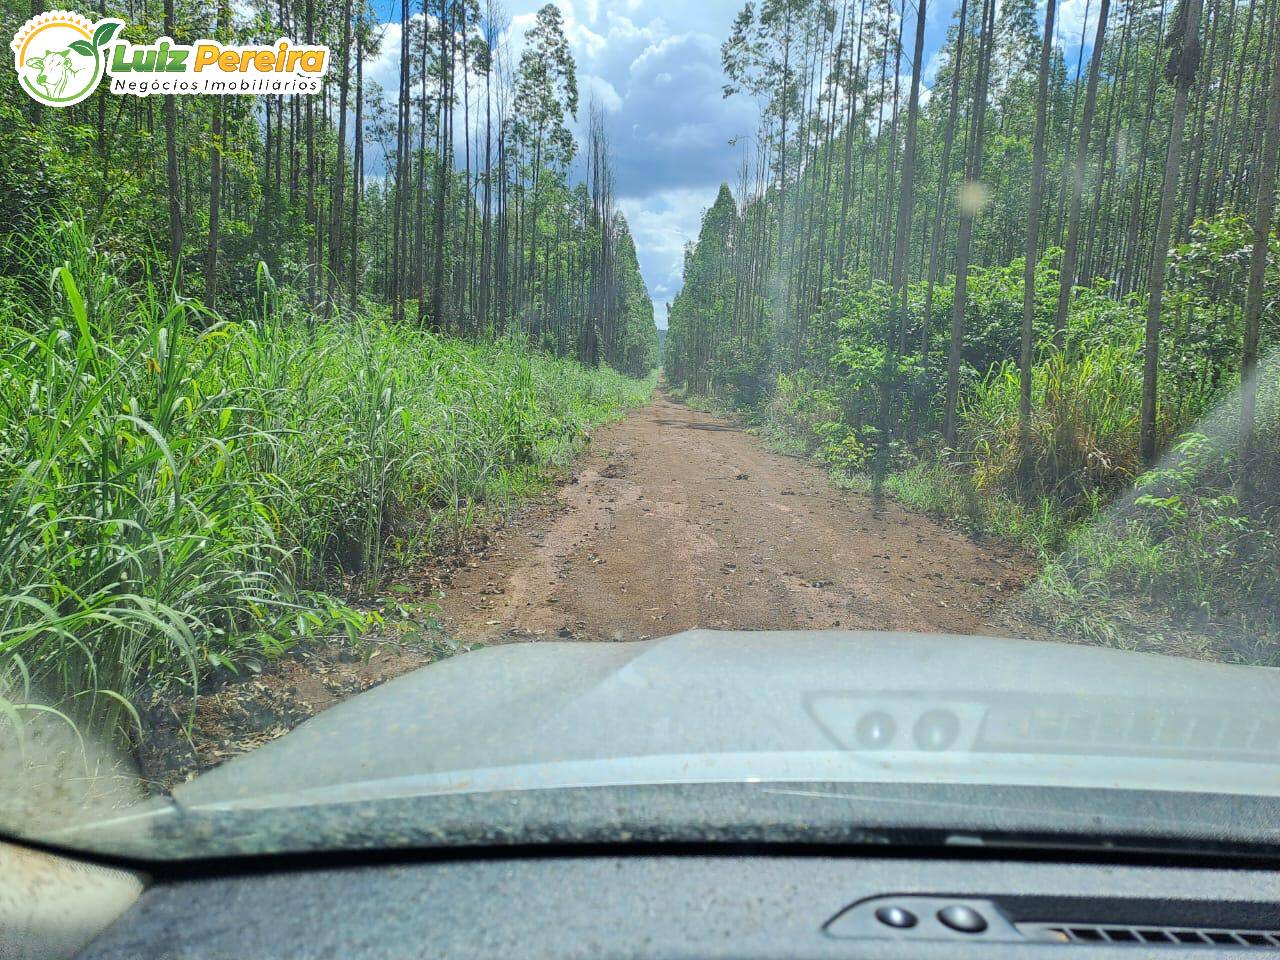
pixel 968 212
pixel 465 289
pixel 215 183
pixel 501 258
pixel 851 116
pixel 1129 272
pixel 1202 114
pixel 944 177
pixel 398 242
pixel 1032 250
pixel 1064 180
pixel 268 215
pixel 340 163
pixel 896 340
pixel 486 223
pixel 357 172
pixel 782 167
pixel 170 162
pixel 1264 210
pixel 443 165
pixel 824 207
pixel 1100 209
pixel 420 211
pixel 1067 273
pixel 310 136
pixel 1182 70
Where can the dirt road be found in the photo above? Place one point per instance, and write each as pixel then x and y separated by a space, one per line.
pixel 675 519
pixel 680 519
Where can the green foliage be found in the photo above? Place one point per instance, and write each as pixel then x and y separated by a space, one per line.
pixel 944 490
pixel 179 486
pixel 547 88
pixel 798 306
pixel 799 415
pixel 1192 543
pixel 557 267
pixel 1081 441
pixel 702 351
pixel 865 314
pixel 36 175
pixel 1187 562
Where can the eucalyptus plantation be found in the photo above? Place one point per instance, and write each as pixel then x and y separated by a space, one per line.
pixel 1015 288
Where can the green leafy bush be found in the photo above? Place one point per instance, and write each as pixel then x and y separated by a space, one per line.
pixel 798 412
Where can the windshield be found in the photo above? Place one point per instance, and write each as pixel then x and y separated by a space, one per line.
pixel 476 420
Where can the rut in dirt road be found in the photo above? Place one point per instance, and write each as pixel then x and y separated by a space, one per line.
pixel 680 519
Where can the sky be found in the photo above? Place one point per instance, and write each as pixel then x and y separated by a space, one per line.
pixel 654 67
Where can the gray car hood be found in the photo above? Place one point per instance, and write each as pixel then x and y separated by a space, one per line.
pixel 708 706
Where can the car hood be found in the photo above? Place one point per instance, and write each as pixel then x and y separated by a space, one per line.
pixel 711 706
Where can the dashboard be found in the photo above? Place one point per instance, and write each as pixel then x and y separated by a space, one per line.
pixel 698 903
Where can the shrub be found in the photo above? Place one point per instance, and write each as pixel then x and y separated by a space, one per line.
pixel 798 412
pixel 1196 546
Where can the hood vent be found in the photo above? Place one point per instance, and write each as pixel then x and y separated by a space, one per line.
pixel 1112 934
pixel 1111 726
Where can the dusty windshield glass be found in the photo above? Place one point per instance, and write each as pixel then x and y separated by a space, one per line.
pixel 416 414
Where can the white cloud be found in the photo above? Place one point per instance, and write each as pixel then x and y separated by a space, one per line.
pixel 603 92
pixel 931 67
pixel 1077 21
pixel 385 68
pixel 662 223
pixel 521 22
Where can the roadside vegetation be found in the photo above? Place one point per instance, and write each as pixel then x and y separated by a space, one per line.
pixel 180 488
pixel 256 351
pixel 1040 301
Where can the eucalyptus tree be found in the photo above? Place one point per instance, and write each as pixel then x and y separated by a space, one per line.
pixel 1018 154
pixel 492 26
pixel 546 96
pixel 763 58
pixel 944 173
pixel 337 207
pixel 172 183
pixel 1067 271
pixel 896 338
pixel 1032 250
pixel 1264 210
pixel 1180 71
pixel 972 200
pixel 461 205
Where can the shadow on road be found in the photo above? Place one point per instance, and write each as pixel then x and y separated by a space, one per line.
pixel 687 425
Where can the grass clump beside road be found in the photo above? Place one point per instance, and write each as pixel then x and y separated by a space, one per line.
pixel 179 487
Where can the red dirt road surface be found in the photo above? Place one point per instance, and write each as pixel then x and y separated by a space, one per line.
pixel 681 519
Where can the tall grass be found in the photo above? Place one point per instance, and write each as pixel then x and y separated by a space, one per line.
pixel 1081 442
pixel 178 486
pixel 1188 560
